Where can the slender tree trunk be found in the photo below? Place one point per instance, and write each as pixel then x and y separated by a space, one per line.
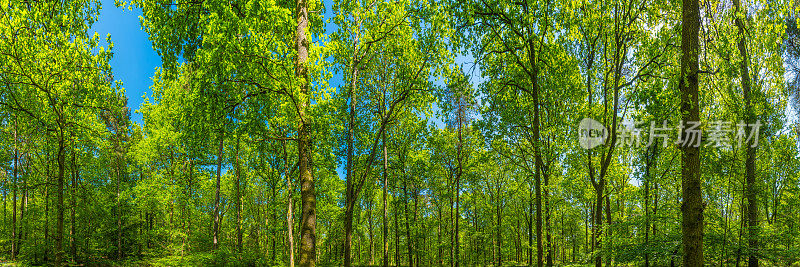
pixel 350 195
pixel 396 232
pixel 216 188
pixel 238 199
pixel 457 241
pixel 647 171
pixel 14 196
pixel 499 228
pixel 371 233
pixel 750 162
pixel 308 239
pixel 409 244
pixel 385 207
pixel 289 208
pixel 439 235
pixel 60 198
pixel 537 155
pixel 119 210
pixel 598 219
pixel 530 225
pixel 72 242
pixel 609 233
pixel 692 207
pixel 189 185
pixel 549 237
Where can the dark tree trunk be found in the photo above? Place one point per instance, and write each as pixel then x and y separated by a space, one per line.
pixel 60 198
pixel 216 190
pixel 289 208
pixel 385 207
pixel 238 199
pixel 14 197
pixel 750 162
pixel 692 206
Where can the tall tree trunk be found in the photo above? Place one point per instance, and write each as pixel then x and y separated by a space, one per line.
pixel 692 207
pixel 308 196
pixel 72 242
pixel 119 208
pixel 499 227
pixel 609 233
pixel 538 164
pixel 457 241
pixel 350 195
pixel 439 249
pixel 14 196
pixel 385 207
pixel 648 176
pixel 60 197
pixel 530 225
pixel 289 208
pixel 396 232
pixel 598 219
pixel 238 172
pixel 750 162
pixel 409 244
pixel 549 237
pixel 216 188
pixel 371 233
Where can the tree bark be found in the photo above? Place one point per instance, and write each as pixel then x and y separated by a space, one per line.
pixel 308 195
pixel 14 196
pixel 60 197
pixel 385 207
pixel 538 164
pixel 238 199
pixel 350 195
pixel 750 161
pixel 289 208
pixel 73 206
pixel 216 188
pixel 692 192
pixel 457 241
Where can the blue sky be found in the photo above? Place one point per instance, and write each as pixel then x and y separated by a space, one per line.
pixel 134 60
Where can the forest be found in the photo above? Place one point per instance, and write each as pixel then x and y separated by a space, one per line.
pixel 404 133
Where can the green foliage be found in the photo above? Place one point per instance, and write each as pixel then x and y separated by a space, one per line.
pixel 478 157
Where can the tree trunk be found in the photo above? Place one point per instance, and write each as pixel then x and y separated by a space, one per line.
pixel 409 244
pixel 692 206
pixel 60 199
pixel 72 242
pixel 119 210
pixel 750 162
pixel 538 164
pixel 238 172
pixel 350 195
pixel 457 241
pixel 289 208
pixel 598 219
pixel 216 188
pixel 648 176
pixel 308 239
pixel 385 207
pixel 499 228
pixel 530 225
pixel 371 233
pixel 548 235
pixel 14 196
